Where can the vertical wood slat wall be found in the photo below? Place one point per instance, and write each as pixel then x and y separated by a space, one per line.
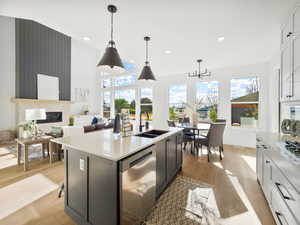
pixel 41 50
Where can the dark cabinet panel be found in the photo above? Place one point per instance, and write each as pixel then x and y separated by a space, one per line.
pixel 171 158
pixel 161 167
pixel 76 183
pixel 179 151
pixel 103 191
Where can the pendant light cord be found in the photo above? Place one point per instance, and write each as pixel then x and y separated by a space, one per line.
pixel 147 62
pixel 112 28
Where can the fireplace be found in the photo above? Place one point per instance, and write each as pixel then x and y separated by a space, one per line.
pixel 52 117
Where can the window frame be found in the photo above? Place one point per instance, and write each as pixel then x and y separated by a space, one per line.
pixel 258 102
pixel 169 97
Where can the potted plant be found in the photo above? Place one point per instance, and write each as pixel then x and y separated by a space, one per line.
pixel 213 114
pixel 26 129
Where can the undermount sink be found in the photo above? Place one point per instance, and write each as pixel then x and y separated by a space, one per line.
pixel 152 133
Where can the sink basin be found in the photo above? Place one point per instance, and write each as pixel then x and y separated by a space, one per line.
pixel 156 132
pixel 152 133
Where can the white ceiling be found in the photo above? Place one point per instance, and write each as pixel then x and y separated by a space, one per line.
pixel 189 28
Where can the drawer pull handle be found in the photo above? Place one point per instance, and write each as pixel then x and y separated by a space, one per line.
pixel 267 161
pixel 279 215
pixel 279 189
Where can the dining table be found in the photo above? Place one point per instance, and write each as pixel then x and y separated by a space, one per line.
pixel 200 128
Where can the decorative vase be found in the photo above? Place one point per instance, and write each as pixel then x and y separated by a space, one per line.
pixel 26 134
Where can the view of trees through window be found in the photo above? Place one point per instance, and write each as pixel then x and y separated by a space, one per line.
pixel 244 102
pixel 207 98
pixel 177 101
pixel 106 104
pixel 146 103
pixel 125 99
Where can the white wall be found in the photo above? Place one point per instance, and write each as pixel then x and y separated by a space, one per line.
pixel 233 135
pixel 84 75
pixel 7 73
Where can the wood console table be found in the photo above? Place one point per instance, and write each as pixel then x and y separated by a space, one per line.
pixel 44 140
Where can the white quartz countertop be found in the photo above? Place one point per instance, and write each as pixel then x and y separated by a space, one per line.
pixel 106 144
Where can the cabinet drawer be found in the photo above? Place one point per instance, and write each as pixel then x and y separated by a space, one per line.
pixel 287 193
pixel 280 211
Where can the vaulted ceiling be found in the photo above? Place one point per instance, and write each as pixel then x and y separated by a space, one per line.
pixel 188 28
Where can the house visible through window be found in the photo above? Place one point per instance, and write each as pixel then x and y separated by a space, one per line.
pixel 244 102
pixel 106 104
pixel 177 101
pixel 207 98
pixel 146 103
pixel 125 99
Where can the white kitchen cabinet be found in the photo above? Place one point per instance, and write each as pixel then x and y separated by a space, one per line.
pixel 279 179
pixel 259 164
pixel 286 73
pixel 296 21
pixel 267 176
pixel 296 68
pixel 290 57
pixel 286 31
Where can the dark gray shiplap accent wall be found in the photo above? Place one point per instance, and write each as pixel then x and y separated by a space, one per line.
pixel 41 50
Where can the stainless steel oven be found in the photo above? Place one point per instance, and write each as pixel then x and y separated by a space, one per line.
pixel 138 186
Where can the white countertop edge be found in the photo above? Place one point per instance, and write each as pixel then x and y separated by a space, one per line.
pixel 171 132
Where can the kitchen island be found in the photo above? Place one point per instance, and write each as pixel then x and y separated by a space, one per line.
pixel 111 180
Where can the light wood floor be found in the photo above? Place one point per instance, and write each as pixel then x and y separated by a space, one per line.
pixel 237 163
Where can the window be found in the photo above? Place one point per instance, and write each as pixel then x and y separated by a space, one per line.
pixel 106 104
pixel 244 102
pixel 125 80
pixel 207 98
pixel 146 103
pixel 177 101
pixel 125 99
pixel 106 83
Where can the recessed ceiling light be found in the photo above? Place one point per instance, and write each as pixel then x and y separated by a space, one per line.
pixel 131 61
pixel 86 39
pixel 220 39
pixel 168 51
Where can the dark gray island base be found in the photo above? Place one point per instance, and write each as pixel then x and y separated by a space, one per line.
pixel 102 191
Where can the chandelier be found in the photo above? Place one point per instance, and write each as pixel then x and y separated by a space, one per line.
pixel 200 74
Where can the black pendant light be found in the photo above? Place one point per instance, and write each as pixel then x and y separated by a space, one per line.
pixel 111 57
pixel 147 73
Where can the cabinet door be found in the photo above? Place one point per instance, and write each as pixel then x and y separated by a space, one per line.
pixel 296 20
pixel 171 157
pixel 102 191
pixel 161 167
pixel 286 73
pixel 296 68
pixel 179 151
pixel 267 176
pixel 76 185
pixel 259 163
pixel 286 32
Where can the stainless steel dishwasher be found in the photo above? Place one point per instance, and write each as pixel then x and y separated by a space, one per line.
pixel 138 186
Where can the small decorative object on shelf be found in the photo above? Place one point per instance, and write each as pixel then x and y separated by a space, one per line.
pixel 71 121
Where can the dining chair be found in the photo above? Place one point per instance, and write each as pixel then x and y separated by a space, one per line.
pixel 213 139
pixel 171 123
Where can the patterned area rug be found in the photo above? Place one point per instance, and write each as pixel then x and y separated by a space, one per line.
pixel 185 202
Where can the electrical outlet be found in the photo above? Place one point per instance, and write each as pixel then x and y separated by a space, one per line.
pixel 81 164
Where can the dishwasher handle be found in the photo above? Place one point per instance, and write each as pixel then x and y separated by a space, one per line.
pixel 142 158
